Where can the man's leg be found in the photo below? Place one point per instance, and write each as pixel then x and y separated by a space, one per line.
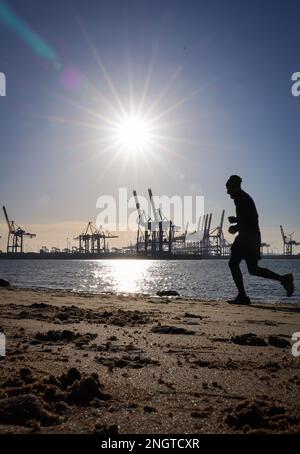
pixel 287 280
pixel 256 270
pixel 234 265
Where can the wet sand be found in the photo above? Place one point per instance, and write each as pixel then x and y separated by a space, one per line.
pixel 82 363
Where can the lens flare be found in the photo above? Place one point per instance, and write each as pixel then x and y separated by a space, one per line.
pixel 29 36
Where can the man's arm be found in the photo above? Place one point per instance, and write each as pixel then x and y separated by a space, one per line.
pixel 233 229
pixel 233 220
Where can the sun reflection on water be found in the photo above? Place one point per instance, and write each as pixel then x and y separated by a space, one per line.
pixel 124 276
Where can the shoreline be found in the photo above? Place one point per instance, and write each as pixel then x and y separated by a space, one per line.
pixel 112 256
pixel 95 363
pixel 284 301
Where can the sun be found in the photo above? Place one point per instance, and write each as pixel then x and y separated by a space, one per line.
pixel 133 133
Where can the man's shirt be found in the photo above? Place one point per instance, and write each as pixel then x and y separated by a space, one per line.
pixel 246 213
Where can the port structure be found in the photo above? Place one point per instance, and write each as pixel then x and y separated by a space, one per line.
pixel 158 235
pixel 155 234
pixel 264 245
pixel 198 241
pixel 15 240
pixel 217 244
pixel 288 242
pixel 207 241
pixel 93 240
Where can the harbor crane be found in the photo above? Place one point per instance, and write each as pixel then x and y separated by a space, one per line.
pixel 93 240
pixel 288 242
pixel 156 233
pixel 159 220
pixel 142 218
pixel 16 234
pixel 210 242
pixel 142 236
pixel 205 242
pixel 162 229
pixel 217 241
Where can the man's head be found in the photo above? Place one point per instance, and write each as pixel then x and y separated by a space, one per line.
pixel 233 185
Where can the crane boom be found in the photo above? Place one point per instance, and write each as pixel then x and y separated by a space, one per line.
pixel 199 224
pixel 142 217
pixel 209 222
pixel 137 204
pixel 282 234
pixel 222 221
pixel 156 218
pixel 7 220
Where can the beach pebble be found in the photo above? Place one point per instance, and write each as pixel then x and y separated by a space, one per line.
pixel 4 283
pixel 167 293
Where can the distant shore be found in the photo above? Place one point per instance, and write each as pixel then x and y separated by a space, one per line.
pixel 120 256
pixel 83 363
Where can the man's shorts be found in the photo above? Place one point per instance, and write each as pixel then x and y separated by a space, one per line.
pixel 246 248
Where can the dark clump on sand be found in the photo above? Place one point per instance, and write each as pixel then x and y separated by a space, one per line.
pixel 69 378
pixel 56 336
pixel 103 429
pixel 249 339
pixel 64 336
pixel 39 305
pixel 164 329
pixel 259 414
pixel 134 362
pixel 20 410
pixel 86 390
pixel 26 375
pixel 167 293
pixel 77 389
pixel 43 400
pixel 73 314
pixel 257 341
pixel 149 409
pixel 189 315
pixel 279 342
pixel 4 283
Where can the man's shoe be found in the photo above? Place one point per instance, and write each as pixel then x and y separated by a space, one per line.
pixel 243 300
pixel 288 284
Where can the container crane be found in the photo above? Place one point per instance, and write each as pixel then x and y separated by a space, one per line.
pixel 288 242
pixel 15 240
pixel 216 238
pixel 93 240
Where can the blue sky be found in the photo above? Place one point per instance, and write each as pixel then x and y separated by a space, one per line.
pixel 222 73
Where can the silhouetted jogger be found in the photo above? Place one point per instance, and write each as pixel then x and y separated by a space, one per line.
pixel 247 244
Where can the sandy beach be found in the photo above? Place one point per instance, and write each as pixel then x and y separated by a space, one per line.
pixel 83 363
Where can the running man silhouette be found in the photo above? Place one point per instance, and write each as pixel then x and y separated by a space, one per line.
pixel 247 244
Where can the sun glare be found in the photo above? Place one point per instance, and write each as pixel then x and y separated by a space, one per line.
pixel 133 134
pixel 141 129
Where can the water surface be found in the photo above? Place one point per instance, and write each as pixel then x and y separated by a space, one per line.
pixel 209 279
